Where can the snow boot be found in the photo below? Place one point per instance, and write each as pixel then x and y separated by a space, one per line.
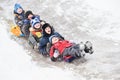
pixel 82 47
pixel 88 47
pixel 22 35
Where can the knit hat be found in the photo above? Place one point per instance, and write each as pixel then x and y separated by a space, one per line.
pixel 50 38
pixel 17 6
pixel 34 21
pixel 44 32
pixel 45 25
pixel 28 13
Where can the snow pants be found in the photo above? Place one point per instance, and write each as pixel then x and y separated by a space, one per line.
pixel 73 51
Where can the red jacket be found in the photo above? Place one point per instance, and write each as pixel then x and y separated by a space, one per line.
pixel 60 46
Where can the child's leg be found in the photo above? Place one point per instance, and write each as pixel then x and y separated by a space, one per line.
pixel 48 47
pixel 25 30
pixel 32 41
pixel 72 52
pixel 82 46
pixel 79 49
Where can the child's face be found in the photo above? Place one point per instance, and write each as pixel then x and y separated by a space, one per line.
pixel 30 16
pixel 19 10
pixel 55 39
pixel 48 30
pixel 37 25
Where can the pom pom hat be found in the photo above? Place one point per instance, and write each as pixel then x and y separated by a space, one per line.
pixel 34 21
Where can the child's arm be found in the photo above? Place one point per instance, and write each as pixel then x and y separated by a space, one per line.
pixel 52 49
pixel 42 46
pixel 56 53
pixel 18 20
pixel 60 36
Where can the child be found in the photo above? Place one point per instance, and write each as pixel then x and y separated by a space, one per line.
pixel 28 17
pixel 36 26
pixel 19 15
pixel 44 41
pixel 35 31
pixel 65 48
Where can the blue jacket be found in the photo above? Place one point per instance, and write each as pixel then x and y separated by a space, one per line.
pixel 45 39
pixel 19 18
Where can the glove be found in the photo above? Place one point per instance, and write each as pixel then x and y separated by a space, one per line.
pixel 56 54
pixel 22 35
pixel 20 23
pixel 53 59
pixel 20 17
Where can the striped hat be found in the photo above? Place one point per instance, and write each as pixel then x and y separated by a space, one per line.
pixel 34 21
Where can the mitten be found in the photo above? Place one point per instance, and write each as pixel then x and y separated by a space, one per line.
pixel 53 59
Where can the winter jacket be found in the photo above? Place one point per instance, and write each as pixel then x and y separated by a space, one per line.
pixel 19 18
pixel 37 32
pixel 60 46
pixel 27 21
pixel 44 40
pixel 26 26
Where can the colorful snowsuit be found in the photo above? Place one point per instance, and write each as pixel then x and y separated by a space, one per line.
pixel 65 48
pixel 45 40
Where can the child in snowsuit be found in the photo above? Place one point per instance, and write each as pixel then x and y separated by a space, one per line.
pixel 65 48
pixel 36 26
pixel 28 17
pixel 19 15
pixel 44 40
pixel 35 31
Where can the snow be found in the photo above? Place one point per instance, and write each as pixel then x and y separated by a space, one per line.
pixel 15 64
pixel 105 5
pixel 109 11
pixel 77 20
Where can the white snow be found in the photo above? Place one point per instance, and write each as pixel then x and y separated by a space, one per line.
pixel 109 11
pixel 98 19
pixel 15 64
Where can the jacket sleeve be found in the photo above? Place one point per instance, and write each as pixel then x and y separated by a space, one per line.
pixel 51 51
pixel 42 46
pixel 56 33
pixel 26 22
pixel 18 21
